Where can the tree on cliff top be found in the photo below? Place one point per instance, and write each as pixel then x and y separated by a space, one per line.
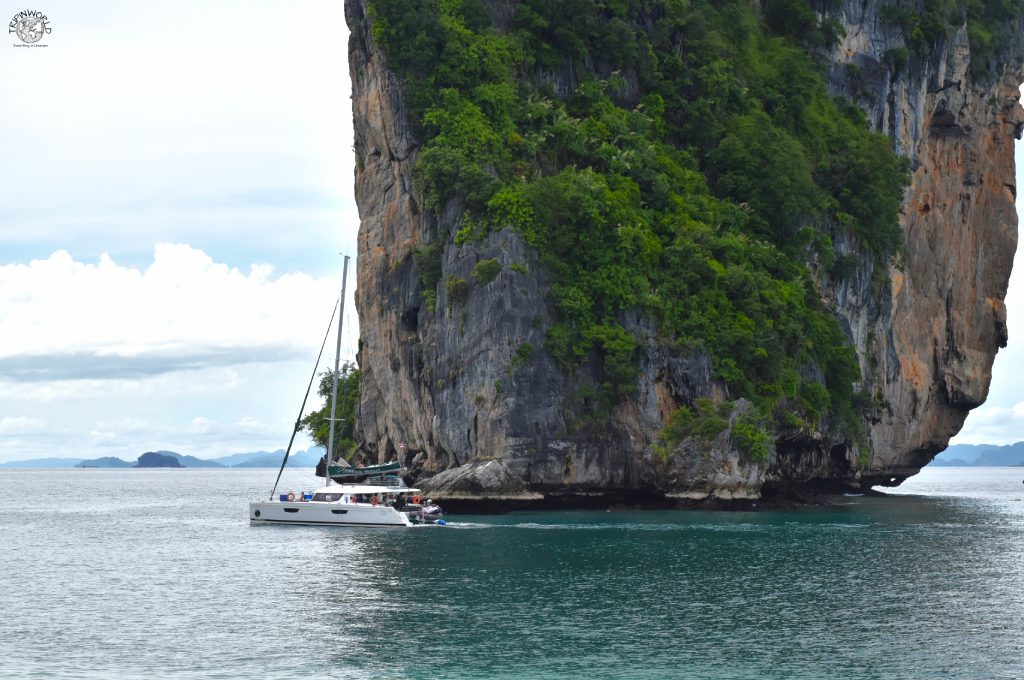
pixel 317 424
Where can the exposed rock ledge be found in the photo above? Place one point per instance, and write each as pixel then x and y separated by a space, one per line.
pixel 492 480
pixel 491 486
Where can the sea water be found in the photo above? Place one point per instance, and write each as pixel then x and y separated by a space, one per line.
pixel 157 574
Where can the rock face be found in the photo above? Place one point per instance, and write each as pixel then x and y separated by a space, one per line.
pixel 466 398
pixel 928 344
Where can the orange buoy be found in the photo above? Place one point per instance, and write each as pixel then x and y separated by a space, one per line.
pixel 415 500
pixel 374 500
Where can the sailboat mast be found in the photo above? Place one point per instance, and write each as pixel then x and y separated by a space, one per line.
pixel 329 456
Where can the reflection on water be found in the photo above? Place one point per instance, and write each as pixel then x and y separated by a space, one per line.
pixel 157 572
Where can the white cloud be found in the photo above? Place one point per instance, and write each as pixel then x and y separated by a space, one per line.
pixel 124 425
pixel 108 327
pixel 21 425
pixel 134 425
pixel 246 427
pixel 993 424
pixel 202 425
pixel 102 436
pixel 180 383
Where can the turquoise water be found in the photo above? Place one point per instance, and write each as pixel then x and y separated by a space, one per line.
pixel 156 573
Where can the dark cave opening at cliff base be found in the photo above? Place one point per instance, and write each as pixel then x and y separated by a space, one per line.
pixel 624 499
pixel 774 496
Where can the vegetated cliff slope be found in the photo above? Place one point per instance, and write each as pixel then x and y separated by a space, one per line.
pixel 690 250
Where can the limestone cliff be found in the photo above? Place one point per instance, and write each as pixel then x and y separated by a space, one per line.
pixel 930 341
pixel 451 392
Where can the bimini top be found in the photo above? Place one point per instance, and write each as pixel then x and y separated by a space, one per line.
pixel 364 489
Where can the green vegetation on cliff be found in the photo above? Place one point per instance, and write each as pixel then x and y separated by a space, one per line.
pixel 991 25
pixel 677 157
pixel 317 424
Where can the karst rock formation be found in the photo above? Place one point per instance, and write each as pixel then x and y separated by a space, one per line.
pixel 445 391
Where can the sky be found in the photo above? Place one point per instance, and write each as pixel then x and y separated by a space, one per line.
pixel 176 185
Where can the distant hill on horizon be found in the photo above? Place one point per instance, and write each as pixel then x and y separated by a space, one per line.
pixel 254 459
pixel 981 455
pixel 104 462
pixel 237 459
pixel 43 463
pixel 273 459
pixel 191 461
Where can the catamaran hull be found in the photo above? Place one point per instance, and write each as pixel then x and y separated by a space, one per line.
pixel 311 513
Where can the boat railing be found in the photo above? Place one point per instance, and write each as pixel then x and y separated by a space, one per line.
pixel 389 481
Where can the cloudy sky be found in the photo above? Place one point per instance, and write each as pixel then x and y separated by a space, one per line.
pixel 175 189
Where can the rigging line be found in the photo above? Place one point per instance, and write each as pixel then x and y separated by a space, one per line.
pixel 298 421
pixel 308 475
pixel 305 473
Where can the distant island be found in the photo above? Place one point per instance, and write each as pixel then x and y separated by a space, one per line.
pixel 172 459
pixel 152 459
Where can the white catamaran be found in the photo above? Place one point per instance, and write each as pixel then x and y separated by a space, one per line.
pixel 379 499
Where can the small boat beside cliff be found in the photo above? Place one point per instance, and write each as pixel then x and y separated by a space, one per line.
pixel 349 505
pixel 371 496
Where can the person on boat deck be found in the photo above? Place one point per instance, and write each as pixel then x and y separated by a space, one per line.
pixel 399 501
pixel 344 498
